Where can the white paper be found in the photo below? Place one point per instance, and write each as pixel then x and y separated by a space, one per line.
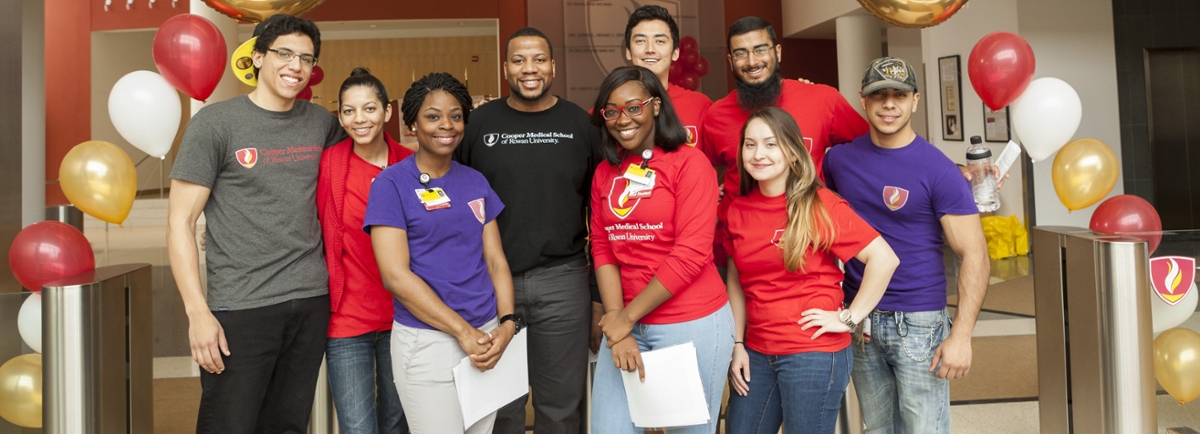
pixel 1006 159
pixel 481 393
pixel 672 394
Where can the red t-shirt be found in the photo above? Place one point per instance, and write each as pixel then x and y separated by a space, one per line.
pixel 667 235
pixel 824 117
pixel 366 306
pixel 691 107
pixel 775 298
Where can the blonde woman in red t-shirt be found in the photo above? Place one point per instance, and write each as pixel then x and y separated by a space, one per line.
pixel 787 233
pixel 360 324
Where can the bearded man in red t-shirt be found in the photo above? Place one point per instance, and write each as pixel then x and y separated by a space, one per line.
pixel 823 114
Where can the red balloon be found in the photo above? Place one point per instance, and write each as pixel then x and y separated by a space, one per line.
pixel 676 72
pixel 690 81
pixel 688 43
pixel 48 251
pixel 702 67
pixel 305 94
pixel 190 53
pixel 317 76
pixel 1128 213
pixel 1001 67
pixel 687 59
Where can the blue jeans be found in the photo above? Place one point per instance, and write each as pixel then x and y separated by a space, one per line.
pixel 897 392
pixel 803 392
pixel 360 374
pixel 713 337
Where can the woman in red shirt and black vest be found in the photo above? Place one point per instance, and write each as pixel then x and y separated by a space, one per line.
pixel 360 325
pixel 787 232
pixel 654 206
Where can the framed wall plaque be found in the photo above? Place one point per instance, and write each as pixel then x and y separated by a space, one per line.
pixel 951 93
pixel 995 124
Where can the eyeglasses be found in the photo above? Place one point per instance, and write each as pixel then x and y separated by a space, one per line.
pixel 758 52
pixel 287 56
pixel 630 110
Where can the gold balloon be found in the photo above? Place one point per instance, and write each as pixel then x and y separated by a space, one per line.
pixel 256 11
pixel 21 391
pixel 1085 171
pixel 1177 363
pixel 99 178
pixel 913 13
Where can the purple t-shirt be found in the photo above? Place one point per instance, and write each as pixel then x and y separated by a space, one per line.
pixel 902 193
pixel 445 246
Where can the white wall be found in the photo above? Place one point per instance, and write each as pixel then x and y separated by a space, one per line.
pixel 958 35
pixel 799 15
pixel 1073 40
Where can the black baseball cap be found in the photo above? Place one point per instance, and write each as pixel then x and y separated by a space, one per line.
pixel 889 73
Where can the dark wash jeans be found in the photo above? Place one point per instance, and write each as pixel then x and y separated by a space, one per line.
pixel 271 372
pixel 557 308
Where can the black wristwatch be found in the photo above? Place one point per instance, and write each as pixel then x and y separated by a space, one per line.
pixel 516 320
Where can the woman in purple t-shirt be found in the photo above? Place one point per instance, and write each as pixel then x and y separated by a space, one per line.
pixel 433 229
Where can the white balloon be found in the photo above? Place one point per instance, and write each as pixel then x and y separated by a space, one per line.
pixel 146 110
pixel 29 321
pixel 1166 316
pixel 1046 116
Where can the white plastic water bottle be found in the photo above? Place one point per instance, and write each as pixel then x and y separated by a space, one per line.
pixel 983 180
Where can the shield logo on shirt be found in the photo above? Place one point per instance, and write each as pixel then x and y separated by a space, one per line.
pixel 1172 277
pixel 477 208
pixel 894 197
pixel 692 135
pixel 247 156
pixel 491 139
pixel 618 198
pixel 777 238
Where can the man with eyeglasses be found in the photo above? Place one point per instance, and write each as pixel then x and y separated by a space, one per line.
pixel 824 116
pixel 250 165
pixel 538 152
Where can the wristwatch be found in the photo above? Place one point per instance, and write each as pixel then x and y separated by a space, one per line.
pixel 514 318
pixel 847 318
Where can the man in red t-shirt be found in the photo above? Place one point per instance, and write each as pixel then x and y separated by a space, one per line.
pixel 824 116
pixel 652 42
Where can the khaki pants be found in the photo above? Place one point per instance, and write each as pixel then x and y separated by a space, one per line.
pixel 423 364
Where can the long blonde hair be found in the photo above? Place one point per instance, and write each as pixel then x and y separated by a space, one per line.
pixel 808 224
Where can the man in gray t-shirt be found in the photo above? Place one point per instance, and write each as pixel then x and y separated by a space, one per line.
pixel 250 165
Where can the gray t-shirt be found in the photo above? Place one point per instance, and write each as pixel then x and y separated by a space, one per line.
pixel 263 238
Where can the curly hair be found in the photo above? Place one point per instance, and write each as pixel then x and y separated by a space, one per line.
pixel 272 28
pixel 437 81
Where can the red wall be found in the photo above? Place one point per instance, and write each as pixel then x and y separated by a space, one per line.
pixel 68 51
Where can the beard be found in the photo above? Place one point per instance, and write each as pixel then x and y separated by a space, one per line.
pixel 754 96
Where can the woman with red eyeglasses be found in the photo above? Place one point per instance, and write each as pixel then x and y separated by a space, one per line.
pixel 654 207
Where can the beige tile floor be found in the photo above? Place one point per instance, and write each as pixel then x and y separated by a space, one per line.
pixel 142 239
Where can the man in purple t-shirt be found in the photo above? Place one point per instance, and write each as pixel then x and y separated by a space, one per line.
pixel 917 199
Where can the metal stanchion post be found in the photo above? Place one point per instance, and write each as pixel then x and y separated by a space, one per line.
pixel 97 334
pixel 322 420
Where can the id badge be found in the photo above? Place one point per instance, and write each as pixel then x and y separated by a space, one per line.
pixel 639 190
pixel 639 175
pixel 433 198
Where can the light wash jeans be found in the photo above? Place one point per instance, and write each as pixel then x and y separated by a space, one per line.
pixel 360 377
pixel 896 391
pixel 713 337
pixel 802 391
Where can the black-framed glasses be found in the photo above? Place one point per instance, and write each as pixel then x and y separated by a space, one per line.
pixel 760 51
pixel 287 55
pixel 632 109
